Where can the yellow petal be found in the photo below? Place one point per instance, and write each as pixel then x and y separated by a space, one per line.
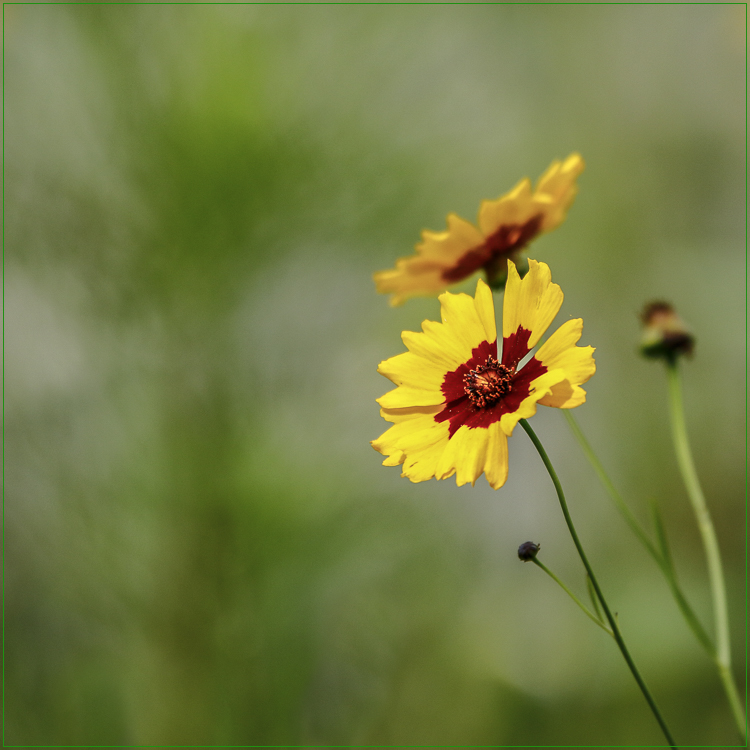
pixel 454 345
pixel 558 183
pixel 514 207
pixel 442 347
pixel 410 278
pixel 471 452
pixel 404 397
pixel 436 345
pixel 540 387
pixel 419 466
pixel 448 246
pixel 531 302
pixel 466 323
pixel 560 176
pixel 485 308
pixel 423 455
pixel 395 459
pixel 414 412
pixel 496 463
pixel 564 396
pixel 462 322
pixel 413 371
pixel 411 435
pixel 560 351
pixel 422 273
pixel 464 456
pixel 416 441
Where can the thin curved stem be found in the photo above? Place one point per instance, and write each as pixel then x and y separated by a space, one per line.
pixel 582 554
pixel 670 574
pixel 585 609
pixel 708 537
pixel 660 554
pixel 622 506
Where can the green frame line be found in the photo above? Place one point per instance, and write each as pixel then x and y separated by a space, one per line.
pixel 366 2
pixel 365 747
pixel 348 3
pixel 3 393
pixel 746 403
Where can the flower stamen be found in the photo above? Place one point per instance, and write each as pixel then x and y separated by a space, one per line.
pixel 488 383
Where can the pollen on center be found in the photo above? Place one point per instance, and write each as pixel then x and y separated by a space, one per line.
pixel 488 383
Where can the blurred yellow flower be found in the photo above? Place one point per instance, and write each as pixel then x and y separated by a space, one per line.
pixel 506 226
pixel 456 403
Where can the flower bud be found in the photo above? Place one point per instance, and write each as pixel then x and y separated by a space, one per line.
pixel 527 551
pixel 664 334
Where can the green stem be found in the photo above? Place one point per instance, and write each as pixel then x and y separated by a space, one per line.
pixel 670 574
pixel 594 599
pixel 663 560
pixel 708 537
pixel 585 609
pixel 582 554
pixel 622 506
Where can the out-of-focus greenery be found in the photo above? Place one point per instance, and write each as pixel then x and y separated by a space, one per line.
pixel 201 546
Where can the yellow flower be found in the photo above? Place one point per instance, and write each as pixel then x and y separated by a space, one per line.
pixel 457 403
pixel 506 226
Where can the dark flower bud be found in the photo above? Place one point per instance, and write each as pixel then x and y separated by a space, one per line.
pixel 527 551
pixel 664 334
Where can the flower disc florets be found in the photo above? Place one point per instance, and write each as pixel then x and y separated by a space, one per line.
pixel 488 383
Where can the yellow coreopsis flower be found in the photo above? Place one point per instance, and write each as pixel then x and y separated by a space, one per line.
pixel 506 226
pixel 457 402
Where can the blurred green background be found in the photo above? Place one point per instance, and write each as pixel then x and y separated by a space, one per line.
pixel 201 546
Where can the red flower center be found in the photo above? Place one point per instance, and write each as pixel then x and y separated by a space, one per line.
pixel 479 391
pixel 505 242
pixel 488 383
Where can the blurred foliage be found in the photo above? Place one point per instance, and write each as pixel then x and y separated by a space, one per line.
pixel 201 546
